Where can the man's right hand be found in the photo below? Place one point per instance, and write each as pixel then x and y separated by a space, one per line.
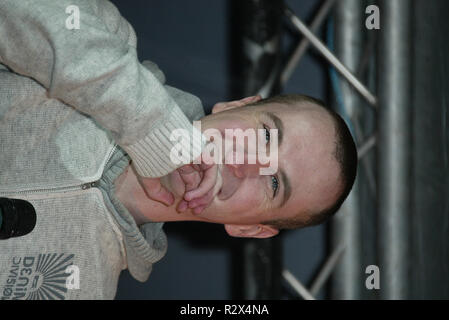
pixel 200 186
pixel 156 191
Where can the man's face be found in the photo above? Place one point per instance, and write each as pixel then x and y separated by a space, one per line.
pixel 307 177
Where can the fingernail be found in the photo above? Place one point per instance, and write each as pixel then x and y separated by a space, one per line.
pixel 193 205
pixel 169 202
pixel 182 206
pixel 188 196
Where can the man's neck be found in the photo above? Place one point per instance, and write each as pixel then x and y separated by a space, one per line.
pixel 132 195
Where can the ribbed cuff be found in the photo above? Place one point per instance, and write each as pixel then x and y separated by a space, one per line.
pixel 173 143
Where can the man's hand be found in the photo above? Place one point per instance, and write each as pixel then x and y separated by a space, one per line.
pixel 156 191
pixel 191 175
pixel 200 186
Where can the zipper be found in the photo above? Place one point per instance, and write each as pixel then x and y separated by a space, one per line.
pixel 109 157
pixel 84 186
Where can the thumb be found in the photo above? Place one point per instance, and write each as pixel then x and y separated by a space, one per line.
pixel 156 191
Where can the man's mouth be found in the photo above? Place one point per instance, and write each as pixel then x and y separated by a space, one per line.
pixel 228 187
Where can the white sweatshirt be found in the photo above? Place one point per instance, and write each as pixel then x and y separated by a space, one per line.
pixel 72 104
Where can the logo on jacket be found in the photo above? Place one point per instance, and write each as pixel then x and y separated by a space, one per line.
pixel 45 277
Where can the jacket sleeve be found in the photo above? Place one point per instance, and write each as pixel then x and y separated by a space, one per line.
pixel 95 69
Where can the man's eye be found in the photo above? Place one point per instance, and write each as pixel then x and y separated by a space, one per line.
pixel 274 185
pixel 267 133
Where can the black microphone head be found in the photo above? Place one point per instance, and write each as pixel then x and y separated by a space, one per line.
pixel 18 218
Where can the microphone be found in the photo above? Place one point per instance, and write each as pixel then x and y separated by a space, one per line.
pixel 17 218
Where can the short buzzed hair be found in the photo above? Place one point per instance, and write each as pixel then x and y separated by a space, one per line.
pixel 345 154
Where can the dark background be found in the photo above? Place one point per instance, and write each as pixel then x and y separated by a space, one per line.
pixel 190 42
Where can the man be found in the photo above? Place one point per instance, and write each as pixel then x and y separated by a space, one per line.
pixel 317 162
pixel 76 107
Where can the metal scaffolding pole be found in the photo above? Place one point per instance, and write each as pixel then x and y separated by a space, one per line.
pixel 345 228
pixel 394 121
pixel 257 61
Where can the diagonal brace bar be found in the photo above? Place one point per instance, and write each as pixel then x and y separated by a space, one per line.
pixel 304 44
pixel 330 57
pixel 295 284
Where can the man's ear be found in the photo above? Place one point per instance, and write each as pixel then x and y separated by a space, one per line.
pixel 251 231
pixel 223 106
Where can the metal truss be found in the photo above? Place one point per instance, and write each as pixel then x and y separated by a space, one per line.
pixel 365 144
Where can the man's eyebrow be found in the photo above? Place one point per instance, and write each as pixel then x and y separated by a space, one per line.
pixel 278 123
pixel 287 188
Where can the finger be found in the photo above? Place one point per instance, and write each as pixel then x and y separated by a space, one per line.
pixel 187 169
pixel 203 201
pixel 156 191
pixel 208 182
pixel 244 101
pixel 191 179
pixel 251 99
pixel 183 205
pixel 200 209
pixel 164 196
pixel 206 200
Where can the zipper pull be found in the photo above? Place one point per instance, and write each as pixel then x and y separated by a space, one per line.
pixel 89 185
